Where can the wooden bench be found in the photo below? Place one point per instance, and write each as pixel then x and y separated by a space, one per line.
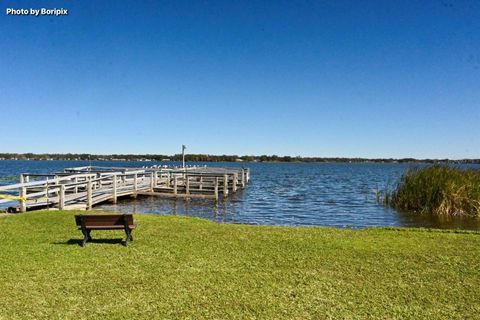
pixel 87 223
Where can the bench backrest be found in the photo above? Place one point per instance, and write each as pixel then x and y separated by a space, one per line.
pixel 104 220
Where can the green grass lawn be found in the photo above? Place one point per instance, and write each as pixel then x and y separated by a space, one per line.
pixel 188 268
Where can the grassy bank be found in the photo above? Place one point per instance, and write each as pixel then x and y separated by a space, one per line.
pixel 438 190
pixel 190 268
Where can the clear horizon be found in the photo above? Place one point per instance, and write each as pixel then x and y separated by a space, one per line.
pixel 244 155
pixel 333 79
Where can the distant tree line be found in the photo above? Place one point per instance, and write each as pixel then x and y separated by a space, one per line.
pixel 214 158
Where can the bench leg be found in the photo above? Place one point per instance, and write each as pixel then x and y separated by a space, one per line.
pixel 86 237
pixel 129 236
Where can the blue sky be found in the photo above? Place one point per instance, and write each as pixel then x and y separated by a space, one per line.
pixel 309 78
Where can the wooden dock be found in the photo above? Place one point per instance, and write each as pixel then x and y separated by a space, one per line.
pixel 85 187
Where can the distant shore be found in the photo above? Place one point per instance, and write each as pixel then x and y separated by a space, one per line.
pixel 221 158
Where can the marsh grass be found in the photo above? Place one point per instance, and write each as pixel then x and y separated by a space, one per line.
pixel 438 190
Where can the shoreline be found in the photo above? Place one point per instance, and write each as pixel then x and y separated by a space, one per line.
pixel 286 226
pixel 346 161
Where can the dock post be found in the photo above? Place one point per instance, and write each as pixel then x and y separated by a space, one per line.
pixel 23 194
pixel 152 180
pixel 75 180
pixel 242 181
pixel 175 185
pixel 235 181
pixel 225 186
pixel 216 189
pixel 135 186
pixel 187 184
pixel 89 194
pixel 201 183
pixel 168 179
pixel 114 187
pixel 46 190
pixel 61 198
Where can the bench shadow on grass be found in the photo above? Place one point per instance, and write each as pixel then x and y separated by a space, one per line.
pixel 93 241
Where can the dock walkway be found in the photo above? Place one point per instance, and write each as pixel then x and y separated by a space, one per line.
pixel 85 187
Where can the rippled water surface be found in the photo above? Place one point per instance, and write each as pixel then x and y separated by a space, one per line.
pixel 327 194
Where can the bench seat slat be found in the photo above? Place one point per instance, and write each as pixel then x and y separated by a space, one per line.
pixel 103 220
pixel 94 227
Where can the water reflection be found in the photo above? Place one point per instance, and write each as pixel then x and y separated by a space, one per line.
pixel 410 219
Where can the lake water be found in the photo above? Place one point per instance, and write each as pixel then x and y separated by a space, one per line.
pixel 324 194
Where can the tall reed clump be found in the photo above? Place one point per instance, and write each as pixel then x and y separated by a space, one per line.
pixel 439 190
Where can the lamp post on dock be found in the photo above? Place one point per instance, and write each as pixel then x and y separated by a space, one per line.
pixel 183 155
